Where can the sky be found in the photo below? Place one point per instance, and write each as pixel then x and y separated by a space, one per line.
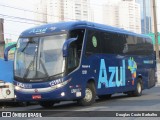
pixel 13 26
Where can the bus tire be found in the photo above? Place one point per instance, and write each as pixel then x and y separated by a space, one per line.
pixel 138 91
pixel 105 96
pixel 46 104
pixel 90 95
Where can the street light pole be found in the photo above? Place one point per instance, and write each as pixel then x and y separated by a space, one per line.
pixel 155 31
pixel 156 41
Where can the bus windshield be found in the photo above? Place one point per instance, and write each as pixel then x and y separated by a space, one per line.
pixel 39 57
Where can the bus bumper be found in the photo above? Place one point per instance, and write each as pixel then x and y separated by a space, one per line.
pixel 61 94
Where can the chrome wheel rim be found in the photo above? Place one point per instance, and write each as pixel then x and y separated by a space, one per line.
pixel 88 95
pixel 139 87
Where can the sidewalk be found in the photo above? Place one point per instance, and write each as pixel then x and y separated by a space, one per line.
pixel 158 75
pixel 157 85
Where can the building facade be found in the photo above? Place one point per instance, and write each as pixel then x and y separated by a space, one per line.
pixel 63 10
pixel 41 11
pixel 124 14
pixel 82 10
pixel 60 10
pixel 146 16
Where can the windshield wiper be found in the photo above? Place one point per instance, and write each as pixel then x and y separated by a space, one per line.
pixel 58 74
pixel 31 42
pixel 53 76
pixel 27 70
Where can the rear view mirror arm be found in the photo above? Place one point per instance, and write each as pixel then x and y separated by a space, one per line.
pixel 7 50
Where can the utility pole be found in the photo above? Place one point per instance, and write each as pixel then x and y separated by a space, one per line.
pixel 155 31
pixel 144 15
pixel 156 41
pixel 2 43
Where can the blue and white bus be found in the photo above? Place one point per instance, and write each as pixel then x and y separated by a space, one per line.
pixel 80 60
pixel 6 80
pixel 6 77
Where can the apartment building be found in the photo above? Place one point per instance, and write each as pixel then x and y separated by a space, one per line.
pixel 124 14
pixel 63 10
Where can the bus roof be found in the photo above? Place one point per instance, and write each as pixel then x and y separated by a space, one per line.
pixel 66 26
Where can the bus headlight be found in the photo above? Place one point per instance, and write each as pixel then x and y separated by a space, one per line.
pixel 17 88
pixel 63 94
pixel 59 85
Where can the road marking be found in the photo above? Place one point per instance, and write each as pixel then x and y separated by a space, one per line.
pixel 93 109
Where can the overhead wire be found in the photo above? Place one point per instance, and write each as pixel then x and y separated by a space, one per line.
pixel 35 22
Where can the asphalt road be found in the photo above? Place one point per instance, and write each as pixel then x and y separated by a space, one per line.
pixel 149 101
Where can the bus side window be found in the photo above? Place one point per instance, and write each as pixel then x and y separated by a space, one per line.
pixel 148 47
pixel 75 49
pixel 72 61
pixel 108 43
pixel 93 45
pixel 131 43
pixel 113 43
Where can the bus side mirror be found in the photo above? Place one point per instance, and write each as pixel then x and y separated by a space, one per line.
pixel 66 46
pixel 7 50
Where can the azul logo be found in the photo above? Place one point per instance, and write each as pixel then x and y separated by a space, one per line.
pixel 132 66
pixel 38 31
pixel 109 81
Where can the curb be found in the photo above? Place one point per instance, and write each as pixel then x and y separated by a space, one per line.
pixel 157 85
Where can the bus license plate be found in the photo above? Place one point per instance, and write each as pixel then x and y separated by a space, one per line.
pixel 36 97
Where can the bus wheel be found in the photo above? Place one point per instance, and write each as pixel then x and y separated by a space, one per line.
pixel 138 91
pixel 90 95
pixel 46 104
pixel 105 96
